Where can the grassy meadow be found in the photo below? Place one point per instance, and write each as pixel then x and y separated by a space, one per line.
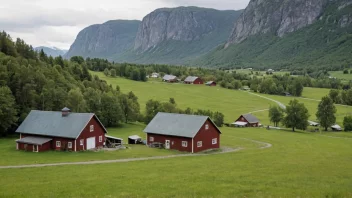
pixel 231 103
pixel 340 75
pixel 297 165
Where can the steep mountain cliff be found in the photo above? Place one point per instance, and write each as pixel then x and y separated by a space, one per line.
pixel 278 17
pixel 105 40
pixel 300 33
pixel 175 35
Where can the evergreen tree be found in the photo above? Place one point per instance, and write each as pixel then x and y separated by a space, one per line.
pixel 8 112
pixel 326 112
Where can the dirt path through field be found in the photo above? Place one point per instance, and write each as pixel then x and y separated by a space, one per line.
pixel 277 102
pixel 224 150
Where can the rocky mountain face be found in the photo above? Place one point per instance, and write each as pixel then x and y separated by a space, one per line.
pixel 181 24
pixel 105 40
pixel 51 51
pixel 288 34
pixel 275 16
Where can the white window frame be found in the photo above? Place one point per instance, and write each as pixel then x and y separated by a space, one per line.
pixel 206 126
pixel 58 144
pixel 199 144
pixel 101 138
pixel 151 139
pixel 184 144
pixel 81 142
pixel 36 147
pixel 69 145
pixel 214 141
pixel 91 128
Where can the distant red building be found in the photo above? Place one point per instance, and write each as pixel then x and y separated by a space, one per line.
pixel 188 133
pixel 211 83
pixel 193 80
pixel 247 120
pixel 63 130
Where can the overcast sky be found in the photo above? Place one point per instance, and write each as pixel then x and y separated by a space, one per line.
pixel 56 23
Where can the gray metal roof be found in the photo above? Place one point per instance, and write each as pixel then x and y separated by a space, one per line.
pixel 190 78
pixel 209 82
pixel 65 109
pixel 176 124
pixel 52 123
pixel 169 77
pixel 251 118
pixel 34 140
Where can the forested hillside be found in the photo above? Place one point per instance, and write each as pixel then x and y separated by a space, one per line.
pixel 32 80
pixel 326 44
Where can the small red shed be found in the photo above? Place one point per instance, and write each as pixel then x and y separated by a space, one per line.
pixel 211 83
pixel 193 80
pixel 247 120
pixel 188 133
pixel 60 130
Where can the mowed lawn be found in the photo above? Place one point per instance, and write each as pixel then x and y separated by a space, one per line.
pixel 231 103
pixel 297 165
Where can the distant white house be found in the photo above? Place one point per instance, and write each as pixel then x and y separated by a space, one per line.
pixel 270 70
pixel 311 123
pixel 336 127
pixel 155 75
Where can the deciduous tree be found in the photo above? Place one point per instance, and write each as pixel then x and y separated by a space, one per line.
pixel 326 112
pixel 276 114
pixel 296 115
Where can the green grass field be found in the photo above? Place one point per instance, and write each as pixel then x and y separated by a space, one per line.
pixel 231 103
pixel 299 164
pixel 340 75
pixel 315 93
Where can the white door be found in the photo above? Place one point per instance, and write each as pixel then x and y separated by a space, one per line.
pixel 167 144
pixel 90 143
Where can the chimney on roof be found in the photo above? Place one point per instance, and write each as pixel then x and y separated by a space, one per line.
pixel 65 112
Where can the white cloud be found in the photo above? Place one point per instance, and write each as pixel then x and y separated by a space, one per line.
pixel 57 23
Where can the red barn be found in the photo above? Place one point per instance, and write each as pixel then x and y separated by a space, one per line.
pixel 211 84
pixel 188 133
pixel 193 80
pixel 62 130
pixel 247 120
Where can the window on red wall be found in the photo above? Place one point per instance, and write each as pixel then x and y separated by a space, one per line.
pixel 214 141
pixel 206 127
pixel 81 142
pixel 69 144
pixel 100 138
pixel 91 128
pixel 151 139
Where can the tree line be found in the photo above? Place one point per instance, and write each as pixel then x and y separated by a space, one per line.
pixel 296 115
pixel 32 80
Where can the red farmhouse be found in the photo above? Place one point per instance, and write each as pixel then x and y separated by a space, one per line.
pixel 52 130
pixel 193 80
pixel 247 120
pixel 189 133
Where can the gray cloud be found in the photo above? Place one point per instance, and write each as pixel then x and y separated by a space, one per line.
pixel 56 23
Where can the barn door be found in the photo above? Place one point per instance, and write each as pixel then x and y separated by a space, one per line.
pixel 167 144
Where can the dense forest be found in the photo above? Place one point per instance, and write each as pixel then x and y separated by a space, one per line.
pixel 31 80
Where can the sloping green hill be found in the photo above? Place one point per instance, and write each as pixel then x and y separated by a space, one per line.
pixel 326 43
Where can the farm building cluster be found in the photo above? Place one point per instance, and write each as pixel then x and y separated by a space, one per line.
pixel 67 131
pixel 195 80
